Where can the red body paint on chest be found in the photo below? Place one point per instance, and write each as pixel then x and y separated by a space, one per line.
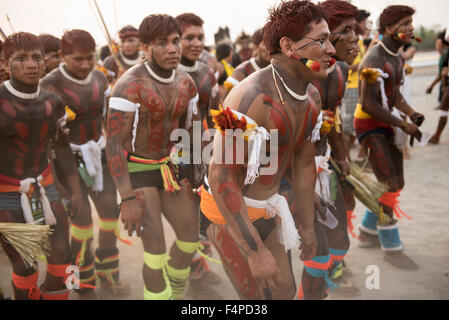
pixel 8 108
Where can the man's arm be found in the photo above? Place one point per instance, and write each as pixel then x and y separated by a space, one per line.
pixel 225 182
pixel 304 179
pixel 64 154
pixel 119 125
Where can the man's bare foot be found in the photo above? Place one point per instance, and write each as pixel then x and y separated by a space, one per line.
pixel 435 139
pixel 400 260
pixel 119 290
pixel 346 289
pixel 367 241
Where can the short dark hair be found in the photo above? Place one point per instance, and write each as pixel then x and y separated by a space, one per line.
pixel 77 39
pixel 157 25
pixel 337 11
pixel 290 19
pixel 50 43
pixel 392 14
pixel 21 41
pixel 363 14
pixel 189 19
pixel 257 36
pixel 222 51
pixel 128 31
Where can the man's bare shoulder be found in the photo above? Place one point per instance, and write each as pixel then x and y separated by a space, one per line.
pixel 135 76
pixel 52 78
pixel 344 68
pixel 314 94
pixel 375 58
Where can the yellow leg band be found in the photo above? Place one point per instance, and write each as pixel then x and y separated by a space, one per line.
pixel 178 280
pixel 111 225
pixel 82 234
pixel 188 247
pixel 166 294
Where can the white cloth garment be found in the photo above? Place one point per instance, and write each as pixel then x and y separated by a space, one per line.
pixel 91 154
pixel 316 130
pixel 124 105
pixel 259 135
pixel 28 215
pixel 276 205
pixel 381 81
pixel 192 110
pixel 232 81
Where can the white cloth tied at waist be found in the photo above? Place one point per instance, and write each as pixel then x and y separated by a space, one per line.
pixel 91 154
pixel 322 186
pixel 257 136
pixel 276 205
pixel 25 203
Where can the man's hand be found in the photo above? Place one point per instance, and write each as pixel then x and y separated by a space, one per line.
pixel 344 168
pixel 429 90
pixel 417 118
pixel 412 129
pixel 132 213
pixel 308 244
pixel 76 203
pixel 265 271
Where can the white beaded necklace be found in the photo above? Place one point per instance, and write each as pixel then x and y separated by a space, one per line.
pixel 185 68
pixel 391 53
pixel 254 64
pixel 290 91
pixel 129 62
pixel 159 78
pixel 82 82
pixel 20 94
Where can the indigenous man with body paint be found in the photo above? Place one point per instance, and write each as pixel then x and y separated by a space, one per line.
pixel 83 90
pixel 333 240
pixel 148 103
pixel 381 75
pixel 260 60
pixel 239 208
pixel 192 46
pixel 32 120
pixel 51 46
pixel 128 54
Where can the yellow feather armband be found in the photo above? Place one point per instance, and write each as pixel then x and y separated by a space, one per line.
pixel 370 75
pixel 70 114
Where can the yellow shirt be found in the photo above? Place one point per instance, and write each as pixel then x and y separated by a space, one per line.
pixel 353 76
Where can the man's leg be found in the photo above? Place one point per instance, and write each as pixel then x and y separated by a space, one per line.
pixel 338 241
pixel 82 234
pixel 444 108
pixel 315 280
pixel 183 215
pixel 107 255
pixel 54 287
pixel 236 266
pixel 24 279
pixel 157 285
pixel 387 163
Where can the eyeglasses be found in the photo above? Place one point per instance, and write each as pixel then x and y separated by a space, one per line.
pixel 319 42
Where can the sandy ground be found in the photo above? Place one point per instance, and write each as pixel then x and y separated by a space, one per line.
pixel 426 238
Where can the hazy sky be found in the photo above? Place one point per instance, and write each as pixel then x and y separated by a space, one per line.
pixel 54 16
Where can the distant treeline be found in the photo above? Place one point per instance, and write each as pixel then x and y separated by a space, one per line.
pixel 428 36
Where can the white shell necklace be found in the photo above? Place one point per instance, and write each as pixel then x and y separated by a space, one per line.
pixel 129 62
pixel 185 68
pixel 20 94
pixel 159 78
pixel 391 53
pixel 290 91
pixel 66 75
